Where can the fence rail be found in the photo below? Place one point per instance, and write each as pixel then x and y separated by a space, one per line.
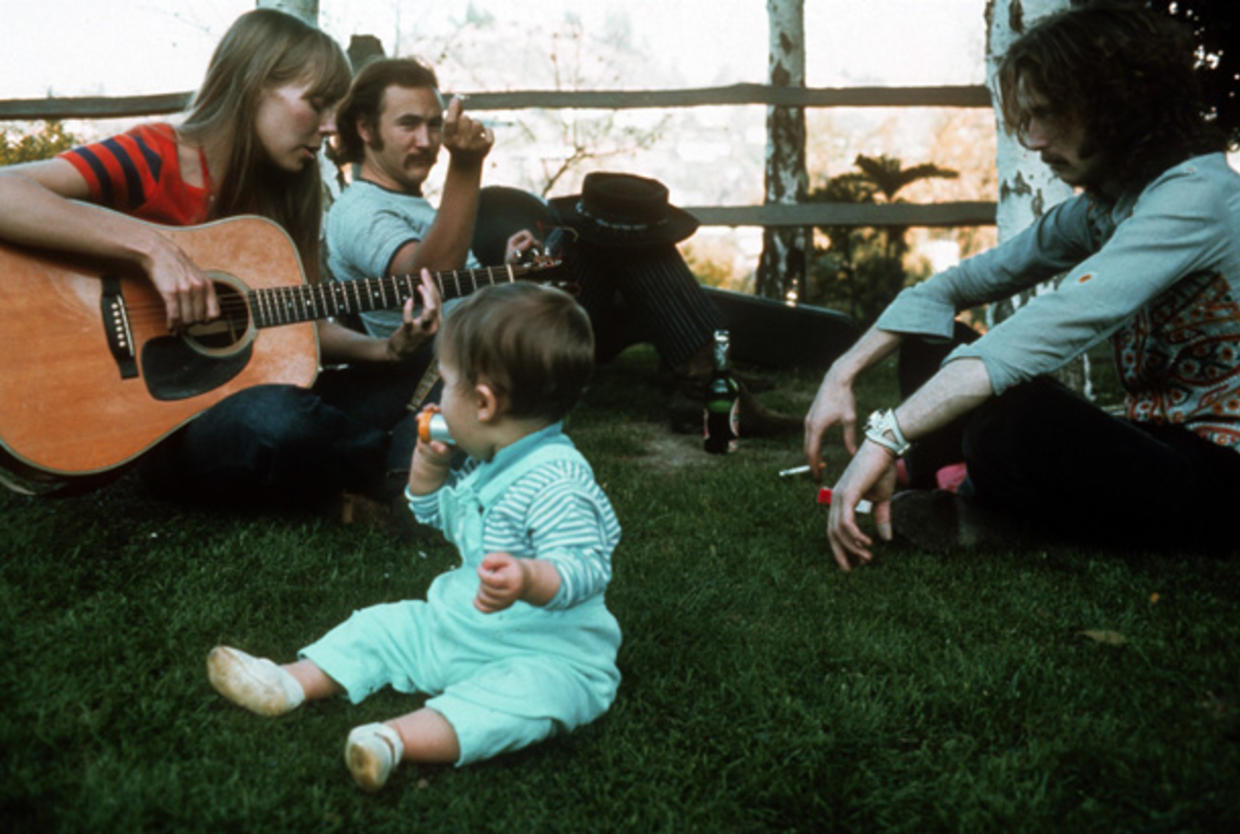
pixel 805 214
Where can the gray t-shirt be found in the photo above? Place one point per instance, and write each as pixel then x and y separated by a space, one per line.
pixel 365 228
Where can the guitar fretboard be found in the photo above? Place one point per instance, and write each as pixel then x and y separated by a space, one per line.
pixel 309 302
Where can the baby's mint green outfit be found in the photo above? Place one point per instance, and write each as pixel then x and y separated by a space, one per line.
pixel 512 678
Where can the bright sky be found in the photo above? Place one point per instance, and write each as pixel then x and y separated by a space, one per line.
pixel 128 47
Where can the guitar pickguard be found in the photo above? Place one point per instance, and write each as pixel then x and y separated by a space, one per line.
pixel 174 370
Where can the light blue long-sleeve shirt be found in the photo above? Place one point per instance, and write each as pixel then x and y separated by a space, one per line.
pixel 1157 272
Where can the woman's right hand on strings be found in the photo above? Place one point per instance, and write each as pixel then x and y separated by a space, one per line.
pixel 50 194
pixel 834 403
pixel 188 294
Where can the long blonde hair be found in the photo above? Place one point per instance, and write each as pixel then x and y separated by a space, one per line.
pixel 266 48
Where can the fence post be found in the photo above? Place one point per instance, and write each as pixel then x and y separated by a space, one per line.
pixel 307 10
pixel 781 268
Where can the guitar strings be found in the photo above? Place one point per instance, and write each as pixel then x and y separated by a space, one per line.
pixel 308 298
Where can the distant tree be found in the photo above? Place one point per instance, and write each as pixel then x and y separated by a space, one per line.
pixel 551 54
pixel 862 269
pixel 964 140
pixel 889 176
pixel 1218 55
pixel 832 280
pixel 44 143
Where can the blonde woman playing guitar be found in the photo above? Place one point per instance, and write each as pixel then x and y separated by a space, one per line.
pixel 212 413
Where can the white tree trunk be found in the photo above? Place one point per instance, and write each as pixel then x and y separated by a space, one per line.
pixel 781 269
pixel 1027 188
pixel 307 10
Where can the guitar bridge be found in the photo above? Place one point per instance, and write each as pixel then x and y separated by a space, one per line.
pixel 116 326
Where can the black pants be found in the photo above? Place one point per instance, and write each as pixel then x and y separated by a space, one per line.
pixel 1042 453
pixel 642 294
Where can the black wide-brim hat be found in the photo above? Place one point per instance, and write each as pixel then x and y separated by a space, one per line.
pixel 623 210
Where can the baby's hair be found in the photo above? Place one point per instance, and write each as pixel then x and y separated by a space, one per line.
pixel 533 345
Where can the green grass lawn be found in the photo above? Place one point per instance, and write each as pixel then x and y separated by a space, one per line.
pixel 764 690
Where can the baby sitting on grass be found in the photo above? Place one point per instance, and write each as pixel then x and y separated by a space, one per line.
pixel 517 643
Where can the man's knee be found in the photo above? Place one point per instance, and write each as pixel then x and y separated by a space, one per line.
pixel 1022 419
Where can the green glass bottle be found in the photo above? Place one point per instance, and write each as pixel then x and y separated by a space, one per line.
pixel 720 423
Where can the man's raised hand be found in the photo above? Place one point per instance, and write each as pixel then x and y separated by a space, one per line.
pixel 465 139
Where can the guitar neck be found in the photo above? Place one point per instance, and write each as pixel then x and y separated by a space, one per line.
pixel 308 302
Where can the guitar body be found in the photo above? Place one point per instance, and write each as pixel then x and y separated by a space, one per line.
pixel 91 378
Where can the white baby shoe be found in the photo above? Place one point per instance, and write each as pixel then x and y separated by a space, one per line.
pixel 372 753
pixel 255 683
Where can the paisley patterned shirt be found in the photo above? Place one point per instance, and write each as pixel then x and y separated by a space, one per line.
pixel 1157 273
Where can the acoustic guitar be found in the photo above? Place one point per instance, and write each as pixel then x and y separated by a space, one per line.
pixel 91 378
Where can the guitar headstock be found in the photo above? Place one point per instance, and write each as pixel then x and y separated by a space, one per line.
pixel 547 259
pixel 552 271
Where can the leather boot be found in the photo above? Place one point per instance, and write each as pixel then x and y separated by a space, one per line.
pixel 939 521
pixel 756 420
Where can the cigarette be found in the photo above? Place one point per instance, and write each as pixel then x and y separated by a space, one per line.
pixel 824 498
pixel 796 470
pixel 492 123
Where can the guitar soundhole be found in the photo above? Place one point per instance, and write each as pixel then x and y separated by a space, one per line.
pixel 203 356
pixel 223 334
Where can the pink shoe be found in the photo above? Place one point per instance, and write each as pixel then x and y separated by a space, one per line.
pixel 902 477
pixel 950 477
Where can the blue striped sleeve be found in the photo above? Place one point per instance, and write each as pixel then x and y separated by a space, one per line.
pixel 566 519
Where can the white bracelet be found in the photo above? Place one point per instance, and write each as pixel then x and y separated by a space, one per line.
pixel 883 429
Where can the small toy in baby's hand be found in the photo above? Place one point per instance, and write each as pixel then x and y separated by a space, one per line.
pixel 432 426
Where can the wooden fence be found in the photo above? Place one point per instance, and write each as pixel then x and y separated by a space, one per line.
pixel 979 213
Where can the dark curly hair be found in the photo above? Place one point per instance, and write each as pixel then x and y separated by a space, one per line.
pixel 1127 74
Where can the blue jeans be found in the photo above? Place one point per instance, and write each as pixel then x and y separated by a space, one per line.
pixel 284 445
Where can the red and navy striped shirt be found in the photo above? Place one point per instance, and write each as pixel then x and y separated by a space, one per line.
pixel 139 173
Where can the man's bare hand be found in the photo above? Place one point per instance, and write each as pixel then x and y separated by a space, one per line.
pixel 417 330
pixel 520 243
pixel 870 474
pixel 834 403
pixel 465 139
